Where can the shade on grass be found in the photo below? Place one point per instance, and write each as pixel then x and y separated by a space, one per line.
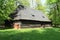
pixel 30 34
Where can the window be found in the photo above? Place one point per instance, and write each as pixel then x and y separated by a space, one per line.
pixel 43 16
pixel 33 15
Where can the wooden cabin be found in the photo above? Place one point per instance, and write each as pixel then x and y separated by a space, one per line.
pixel 25 17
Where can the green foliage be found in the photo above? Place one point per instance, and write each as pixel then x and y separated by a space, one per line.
pixel 40 6
pixel 54 12
pixel 51 1
pixel 24 2
pixel 6 7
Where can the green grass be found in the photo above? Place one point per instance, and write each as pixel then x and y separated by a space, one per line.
pixel 30 34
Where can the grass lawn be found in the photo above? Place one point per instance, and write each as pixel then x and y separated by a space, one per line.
pixel 30 34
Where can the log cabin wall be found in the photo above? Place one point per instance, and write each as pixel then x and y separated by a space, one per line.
pixel 32 24
pixel 17 24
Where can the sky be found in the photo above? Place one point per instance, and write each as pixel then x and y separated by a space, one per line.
pixel 43 2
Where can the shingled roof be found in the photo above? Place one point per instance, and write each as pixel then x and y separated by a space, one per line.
pixel 27 13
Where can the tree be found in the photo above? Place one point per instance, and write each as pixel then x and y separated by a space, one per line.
pixel 54 14
pixel 24 2
pixel 6 7
pixel 40 6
